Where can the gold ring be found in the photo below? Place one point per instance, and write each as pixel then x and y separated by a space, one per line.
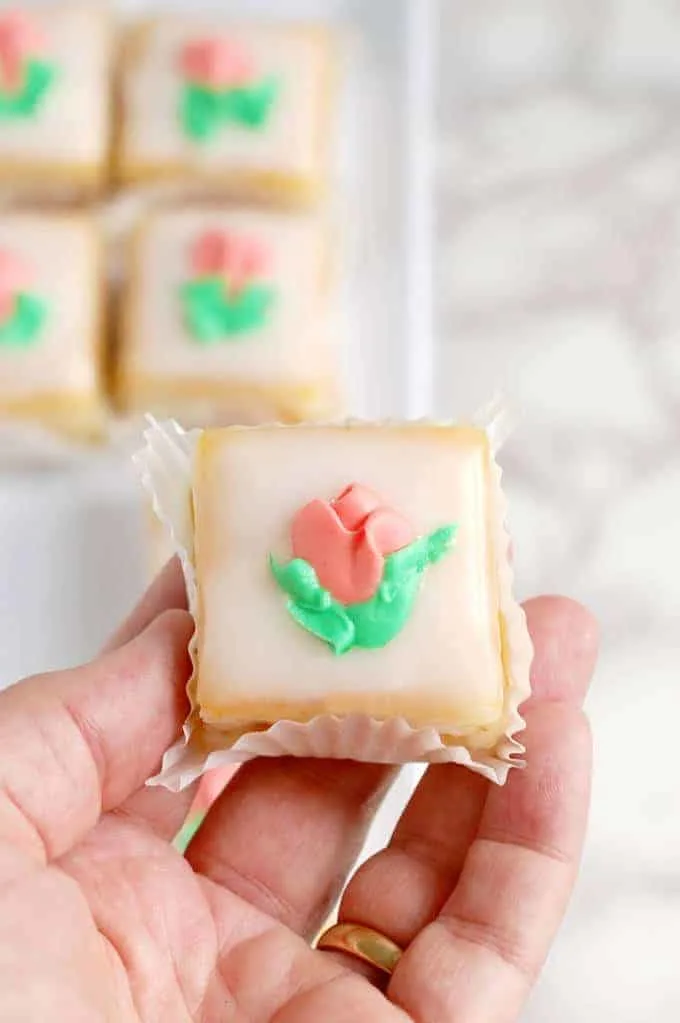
pixel 363 943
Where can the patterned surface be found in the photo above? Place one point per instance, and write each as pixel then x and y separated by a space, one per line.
pixel 559 260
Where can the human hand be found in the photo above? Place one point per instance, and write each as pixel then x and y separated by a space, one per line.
pixel 101 918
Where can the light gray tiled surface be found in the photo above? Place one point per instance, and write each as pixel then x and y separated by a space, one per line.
pixel 559 280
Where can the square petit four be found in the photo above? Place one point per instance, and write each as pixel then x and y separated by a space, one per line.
pixel 351 591
pixel 244 107
pixel 50 321
pixel 349 570
pixel 54 100
pixel 227 318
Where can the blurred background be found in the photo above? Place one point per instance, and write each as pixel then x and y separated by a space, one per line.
pixel 554 274
pixel 558 274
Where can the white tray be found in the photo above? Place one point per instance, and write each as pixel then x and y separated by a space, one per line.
pixel 73 550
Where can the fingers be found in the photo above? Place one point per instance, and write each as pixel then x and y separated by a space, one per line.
pixel 285 833
pixel 405 886
pixel 161 811
pixel 480 957
pixel 167 591
pixel 75 742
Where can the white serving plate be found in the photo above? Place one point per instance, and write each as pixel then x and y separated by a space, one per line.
pixel 74 544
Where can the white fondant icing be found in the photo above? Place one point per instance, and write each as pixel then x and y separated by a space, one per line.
pixel 248 487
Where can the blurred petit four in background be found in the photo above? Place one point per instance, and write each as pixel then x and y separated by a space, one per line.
pixel 51 322
pixel 241 107
pixel 228 318
pixel 55 88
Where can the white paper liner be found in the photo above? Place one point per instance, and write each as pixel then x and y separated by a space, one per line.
pixel 165 464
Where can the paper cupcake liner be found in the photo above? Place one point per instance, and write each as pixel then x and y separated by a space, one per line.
pixel 165 464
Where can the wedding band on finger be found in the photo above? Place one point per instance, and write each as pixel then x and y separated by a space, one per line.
pixel 362 943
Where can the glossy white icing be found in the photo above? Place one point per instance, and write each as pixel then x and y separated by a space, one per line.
pixel 71 127
pixel 444 668
pixel 61 254
pixel 152 96
pixel 292 347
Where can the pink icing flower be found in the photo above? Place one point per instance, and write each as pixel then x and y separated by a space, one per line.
pixel 237 258
pixel 346 541
pixel 14 276
pixel 20 38
pixel 217 63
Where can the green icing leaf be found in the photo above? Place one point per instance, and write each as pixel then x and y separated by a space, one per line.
pixel 203 110
pixel 248 309
pixel 299 580
pixel 311 606
pixel 440 542
pixel 200 112
pixel 333 625
pixel 202 302
pixel 250 106
pixel 39 78
pixel 212 314
pixel 414 559
pixel 23 327
pixel 375 622
pixel 379 620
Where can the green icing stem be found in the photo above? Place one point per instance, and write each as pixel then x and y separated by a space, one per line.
pixel 203 111
pixel 372 623
pixel 24 325
pixel 26 103
pixel 212 314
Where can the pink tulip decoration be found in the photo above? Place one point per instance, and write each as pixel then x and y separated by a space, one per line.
pixel 14 276
pixel 217 64
pixel 238 259
pixel 20 39
pixel 347 541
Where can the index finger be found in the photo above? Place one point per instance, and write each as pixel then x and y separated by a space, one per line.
pixel 78 742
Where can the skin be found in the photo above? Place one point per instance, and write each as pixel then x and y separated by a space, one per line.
pixel 101 919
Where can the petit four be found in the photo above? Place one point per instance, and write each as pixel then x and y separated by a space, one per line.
pixel 243 107
pixel 50 321
pixel 54 101
pixel 351 590
pixel 228 318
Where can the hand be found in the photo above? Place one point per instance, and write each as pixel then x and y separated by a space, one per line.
pixel 101 919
